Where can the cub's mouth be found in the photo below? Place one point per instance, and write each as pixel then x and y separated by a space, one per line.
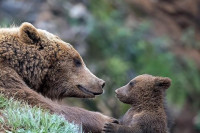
pixel 83 89
pixel 118 96
pixel 121 98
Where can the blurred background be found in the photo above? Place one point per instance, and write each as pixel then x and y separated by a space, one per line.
pixel 120 39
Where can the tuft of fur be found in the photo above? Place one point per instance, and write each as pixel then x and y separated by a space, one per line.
pixel 147 114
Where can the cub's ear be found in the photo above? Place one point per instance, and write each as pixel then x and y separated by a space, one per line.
pixel 162 82
pixel 28 33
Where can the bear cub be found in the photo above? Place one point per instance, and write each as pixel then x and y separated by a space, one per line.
pixel 148 114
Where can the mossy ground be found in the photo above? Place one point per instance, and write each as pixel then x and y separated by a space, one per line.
pixel 19 117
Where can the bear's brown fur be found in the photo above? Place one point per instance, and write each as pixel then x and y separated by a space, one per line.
pixel 43 62
pixel 145 94
pixel 33 61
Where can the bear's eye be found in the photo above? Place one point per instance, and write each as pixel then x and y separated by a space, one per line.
pixel 77 62
pixel 132 83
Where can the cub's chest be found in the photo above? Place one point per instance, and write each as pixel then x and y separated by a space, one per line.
pixel 130 118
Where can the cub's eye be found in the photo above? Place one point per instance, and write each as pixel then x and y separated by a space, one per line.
pixel 132 83
pixel 77 62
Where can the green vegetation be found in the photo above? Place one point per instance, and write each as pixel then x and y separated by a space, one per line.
pixel 18 117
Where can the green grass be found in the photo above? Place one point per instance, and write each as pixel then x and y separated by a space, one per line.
pixel 19 117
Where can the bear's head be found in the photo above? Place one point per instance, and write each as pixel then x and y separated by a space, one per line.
pixel 143 88
pixel 49 65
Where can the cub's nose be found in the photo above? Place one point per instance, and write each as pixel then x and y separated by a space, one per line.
pixel 102 83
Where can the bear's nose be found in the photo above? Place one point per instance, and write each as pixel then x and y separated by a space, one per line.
pixel 102 83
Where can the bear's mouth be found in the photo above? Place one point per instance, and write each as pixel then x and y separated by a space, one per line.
pixel 83 89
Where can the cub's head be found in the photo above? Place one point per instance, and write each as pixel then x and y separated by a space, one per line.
pixel 58 66
pixel 143 87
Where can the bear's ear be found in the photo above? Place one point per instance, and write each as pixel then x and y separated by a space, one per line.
pixel 162 82
pixel 28 33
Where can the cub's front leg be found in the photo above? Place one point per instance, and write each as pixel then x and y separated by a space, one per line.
pixel 116 128
pixel 110 128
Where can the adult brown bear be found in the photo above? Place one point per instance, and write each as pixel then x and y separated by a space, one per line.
pixel 34 59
